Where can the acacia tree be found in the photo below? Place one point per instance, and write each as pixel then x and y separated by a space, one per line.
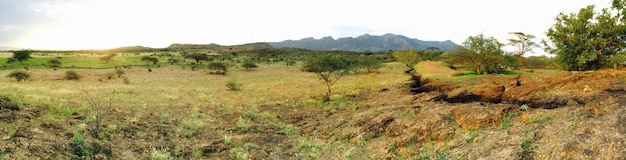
pixel 330 68
pixel 22 55
pixel 198 57
pixel 588 40
pixel 407 56
pixel 149 59
pixel 523 43
pixel 484 55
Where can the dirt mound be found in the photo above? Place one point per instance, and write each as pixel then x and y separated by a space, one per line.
pixel 433 68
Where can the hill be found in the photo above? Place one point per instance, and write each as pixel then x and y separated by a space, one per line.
pixel 365 42
pixel 213 46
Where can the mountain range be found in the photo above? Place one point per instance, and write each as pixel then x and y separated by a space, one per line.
pixel 365 43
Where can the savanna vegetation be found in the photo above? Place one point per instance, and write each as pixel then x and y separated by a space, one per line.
pixel 477 101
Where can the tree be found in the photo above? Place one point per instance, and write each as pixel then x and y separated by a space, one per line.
pixel 407 56
pixel 588 40
pixel 483 55
pixel 22 55
pixel 523 43
pixel 54 63
pixel 108 57
pixel 370 64
pixel 173 60
pixel 218 67
pixel 248 65
pixel 150 59
pixel 330 68
pixel 11 60
pixel 19 75
pixel 198 57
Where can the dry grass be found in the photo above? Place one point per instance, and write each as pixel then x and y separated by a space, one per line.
pixel 173 86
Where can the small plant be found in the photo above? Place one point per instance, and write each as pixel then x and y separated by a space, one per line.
pixel 191 129
pixel 218 68
pixel 233 86
pixel 80 146
pixel 409 115
pixel 159 154
pixel 251 115
pixel 19 75
pixel 523 107
pixel 165 118
pixel 72 75
pixel 238 153
pixel 569 129
pixel 526 144
pixel 126 80
pixel 242 125
pixel 120 72
pixel 506 118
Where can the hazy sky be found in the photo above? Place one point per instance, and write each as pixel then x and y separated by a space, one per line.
pixel 100 24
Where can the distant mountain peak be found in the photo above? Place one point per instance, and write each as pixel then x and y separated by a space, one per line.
pixel 365 42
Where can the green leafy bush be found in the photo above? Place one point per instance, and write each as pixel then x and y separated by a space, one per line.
pixel 19 75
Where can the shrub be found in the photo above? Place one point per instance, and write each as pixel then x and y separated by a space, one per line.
pixel 54 63
pixel 232 85
pixel 19 75
pixel 126 80
pixel 119 72
pixel 249 65
pixel 72 75
pixel 218 68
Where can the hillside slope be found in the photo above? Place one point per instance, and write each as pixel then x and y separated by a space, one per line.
pixel 365 43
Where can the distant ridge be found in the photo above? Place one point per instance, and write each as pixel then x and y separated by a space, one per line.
pixel 213 46
pixel 364 43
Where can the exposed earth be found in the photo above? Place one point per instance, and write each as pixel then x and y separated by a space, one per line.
pixel 550 115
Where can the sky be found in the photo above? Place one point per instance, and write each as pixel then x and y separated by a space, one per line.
pixel 103 24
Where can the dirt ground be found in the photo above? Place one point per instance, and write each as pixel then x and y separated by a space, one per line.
pixel 549 115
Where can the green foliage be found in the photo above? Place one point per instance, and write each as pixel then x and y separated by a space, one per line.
pixel 407 56
pixel 54 63
pixel 523 107
pixel 506 120
pixel 536 62
pixel 238 153
pixel 526 144
pixel 248 65
pixel 11 60
pixel 19 75
pixel 233 86
pixel 330 68
pixel 173 60
pixel 370 64
pixel 218 67
pixel 72 75
pixel 191 129
pixel 588 40
pixel 22 55
pixel 80 146
pixel 483 55
pixel 569 129
pixel 150 59
pixel 198 57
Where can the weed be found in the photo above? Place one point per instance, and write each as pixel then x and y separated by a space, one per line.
pixel 569 129
pixel 233 86
pixel 126 80
pixel 528 130
pixel 506 118
pixel 159 154
pixel 80 146
pixel 12 128
pixel 249 146
pixel 165 118
pixel 409 115
pixel 526 144
pixel 242 125
pixel 238 153
pixel 251 115
pixel 540 120
pixel 195 113
pixel 191 129
pixel 523 107
pixel 228 140
pixel 289 130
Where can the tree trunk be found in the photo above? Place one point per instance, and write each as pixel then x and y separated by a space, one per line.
pixel 327 96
